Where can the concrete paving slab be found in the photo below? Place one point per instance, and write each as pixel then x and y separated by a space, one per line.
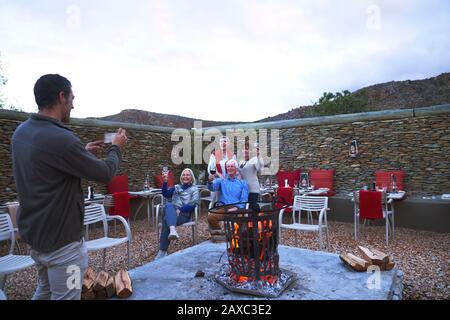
pixel 320 276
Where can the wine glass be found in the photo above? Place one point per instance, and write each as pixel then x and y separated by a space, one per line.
pixel 165 173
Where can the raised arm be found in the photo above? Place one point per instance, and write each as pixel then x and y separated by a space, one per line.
pixel 259 164
pixel 166 191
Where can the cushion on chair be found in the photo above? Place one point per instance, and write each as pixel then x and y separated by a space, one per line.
pixel 119 184
pixel 322 179
pixel 170 180
pixel 383 178
pixel 293 178
pixel 285 196
pixel 121 204
pixel 370 206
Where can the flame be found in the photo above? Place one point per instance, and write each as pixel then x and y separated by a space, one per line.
pixel 270 279
pixel 241 279
pixel 235 238
pixel 264 233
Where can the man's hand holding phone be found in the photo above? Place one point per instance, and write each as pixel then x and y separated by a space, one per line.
pixel 120 138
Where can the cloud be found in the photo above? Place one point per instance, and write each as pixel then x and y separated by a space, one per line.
pixel 222 60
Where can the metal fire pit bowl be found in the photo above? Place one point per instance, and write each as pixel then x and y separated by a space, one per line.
pixel 252 242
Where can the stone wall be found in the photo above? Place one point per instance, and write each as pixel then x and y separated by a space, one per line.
pixel 414 140
pixel 419 146
pixel 147 150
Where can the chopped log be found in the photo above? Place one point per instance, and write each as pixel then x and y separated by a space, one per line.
pixel 110 287
pixel 390 264
pixel 88 295
pixel 381 255
pixel 100 294
pixel 101 280
pixel 359 261
pixel 88 279
pixel 374 256
pixel 356 263
pixel 123 284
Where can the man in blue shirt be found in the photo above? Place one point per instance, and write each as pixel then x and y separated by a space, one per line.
pixel 232 190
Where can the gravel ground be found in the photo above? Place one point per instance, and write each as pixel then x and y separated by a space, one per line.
pixel 423 256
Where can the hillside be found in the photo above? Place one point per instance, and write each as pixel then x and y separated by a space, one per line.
pixel 389 95
pixel 392 95
pixel 159 119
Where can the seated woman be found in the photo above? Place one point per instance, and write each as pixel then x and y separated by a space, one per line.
pixel 184 199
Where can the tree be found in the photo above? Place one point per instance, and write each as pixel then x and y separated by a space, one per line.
pixel 3 81
pixel 339 103
pixel 3 102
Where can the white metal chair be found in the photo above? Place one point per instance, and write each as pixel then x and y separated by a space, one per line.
pixel 96 213
pixel 205 196
pixel 387 206
pixel 193 223
pixel 307 204
pixel 11 262
pixel 108 202
pixel 158 199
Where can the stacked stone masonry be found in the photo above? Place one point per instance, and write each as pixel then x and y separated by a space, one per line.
pixel 418 144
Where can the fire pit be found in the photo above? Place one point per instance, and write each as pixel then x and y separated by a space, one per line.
pixel 253 260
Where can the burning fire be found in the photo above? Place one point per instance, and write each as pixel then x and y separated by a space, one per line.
pixel 269 278
pixel 264 234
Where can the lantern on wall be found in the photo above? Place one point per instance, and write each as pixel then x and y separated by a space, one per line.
pixel 353 152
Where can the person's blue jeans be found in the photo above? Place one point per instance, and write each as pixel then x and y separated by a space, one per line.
pixel 171 219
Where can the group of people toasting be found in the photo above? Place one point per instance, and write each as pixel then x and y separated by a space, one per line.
pixel 47 153
pixel 230 182
pixel 49 161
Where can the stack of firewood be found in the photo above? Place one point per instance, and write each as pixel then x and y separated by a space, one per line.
pixel 370 257
pixel 103 285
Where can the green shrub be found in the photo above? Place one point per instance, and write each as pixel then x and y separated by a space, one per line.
pixel 339 103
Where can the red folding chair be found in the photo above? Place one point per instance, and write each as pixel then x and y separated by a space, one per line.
pixel 374 205
pixel 293 177
pixel 383 179
pixel 285 196
pixel 322 179
pixel 119 203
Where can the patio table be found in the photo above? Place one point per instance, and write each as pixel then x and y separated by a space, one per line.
pixel 396 195
pixel 309 192
pixel 147 195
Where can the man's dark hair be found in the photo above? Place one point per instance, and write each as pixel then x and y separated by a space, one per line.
pixel 47 89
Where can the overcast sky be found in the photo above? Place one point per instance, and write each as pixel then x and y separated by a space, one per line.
pixel 217 59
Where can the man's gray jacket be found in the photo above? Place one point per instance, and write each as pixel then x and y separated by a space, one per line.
pixel 48 163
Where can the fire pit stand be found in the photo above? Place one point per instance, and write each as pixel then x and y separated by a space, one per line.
pixel 253 260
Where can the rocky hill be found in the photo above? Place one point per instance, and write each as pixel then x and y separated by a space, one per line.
pixel 392 95
pixel 159 119
pixel 389 95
